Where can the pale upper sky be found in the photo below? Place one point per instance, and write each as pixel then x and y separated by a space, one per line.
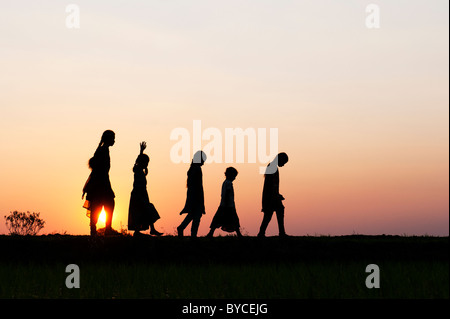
pixel 363 113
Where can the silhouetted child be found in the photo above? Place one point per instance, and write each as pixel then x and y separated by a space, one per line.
pixel 141 213
pixel 195 200
pixel 271 197
pixel 226 216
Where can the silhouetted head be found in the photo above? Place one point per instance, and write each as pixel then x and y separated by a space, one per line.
pixel 142 160
pixel 231 173
pixel 199 158
pixel 282 159
pixel 108 138
pixel 141 163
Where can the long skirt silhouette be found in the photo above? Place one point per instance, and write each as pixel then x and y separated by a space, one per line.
pixel 141 213
pixel 226 218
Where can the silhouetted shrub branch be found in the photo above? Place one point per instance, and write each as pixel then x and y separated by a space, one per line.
pixel 20 223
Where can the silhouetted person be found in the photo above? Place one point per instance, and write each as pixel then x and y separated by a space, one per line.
pixel 271 197
pixel 99 193
pixel 195 201
pixel 141 213
pixel 226 216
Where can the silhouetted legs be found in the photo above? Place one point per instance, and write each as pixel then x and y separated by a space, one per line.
pixel 109 210
pixel 194 228
pixel 95 213
pixel 153 230
pixel 96 209
pixel 266 221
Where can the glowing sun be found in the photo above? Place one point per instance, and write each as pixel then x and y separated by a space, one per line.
pixel 102 217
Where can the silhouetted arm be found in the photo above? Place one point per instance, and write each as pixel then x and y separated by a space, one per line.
pixel 143 146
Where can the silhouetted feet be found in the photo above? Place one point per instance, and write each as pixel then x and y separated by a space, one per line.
pixel 155 232
pixel 180 232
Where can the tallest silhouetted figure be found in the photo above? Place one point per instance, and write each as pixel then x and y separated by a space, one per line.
pixel 271 197
pixel 98 190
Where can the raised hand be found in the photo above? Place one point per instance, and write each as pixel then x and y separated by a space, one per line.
pixel 143 146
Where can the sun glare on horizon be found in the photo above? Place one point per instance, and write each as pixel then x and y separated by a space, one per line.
pixel 102 217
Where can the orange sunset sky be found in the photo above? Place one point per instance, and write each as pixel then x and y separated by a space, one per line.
pixel 362 113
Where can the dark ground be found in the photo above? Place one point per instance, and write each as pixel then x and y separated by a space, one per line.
pixel 67 248
pixel 224 267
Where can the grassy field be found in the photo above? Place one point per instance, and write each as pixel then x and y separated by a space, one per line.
pixel 224 267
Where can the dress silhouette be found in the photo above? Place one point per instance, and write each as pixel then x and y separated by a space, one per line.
pixel 142 214
pixel 195 201
pixel 98 190
pixel 271 197
pixel 226 216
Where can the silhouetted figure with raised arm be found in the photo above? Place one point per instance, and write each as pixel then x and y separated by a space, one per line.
pixel 195 201
pixel 226 216
pixel 271 197
pixel 99 193
pixel 142 214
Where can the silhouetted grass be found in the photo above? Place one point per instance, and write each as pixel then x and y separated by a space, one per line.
pixel 300 267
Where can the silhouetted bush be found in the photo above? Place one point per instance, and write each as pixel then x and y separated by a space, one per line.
pixel 20 223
